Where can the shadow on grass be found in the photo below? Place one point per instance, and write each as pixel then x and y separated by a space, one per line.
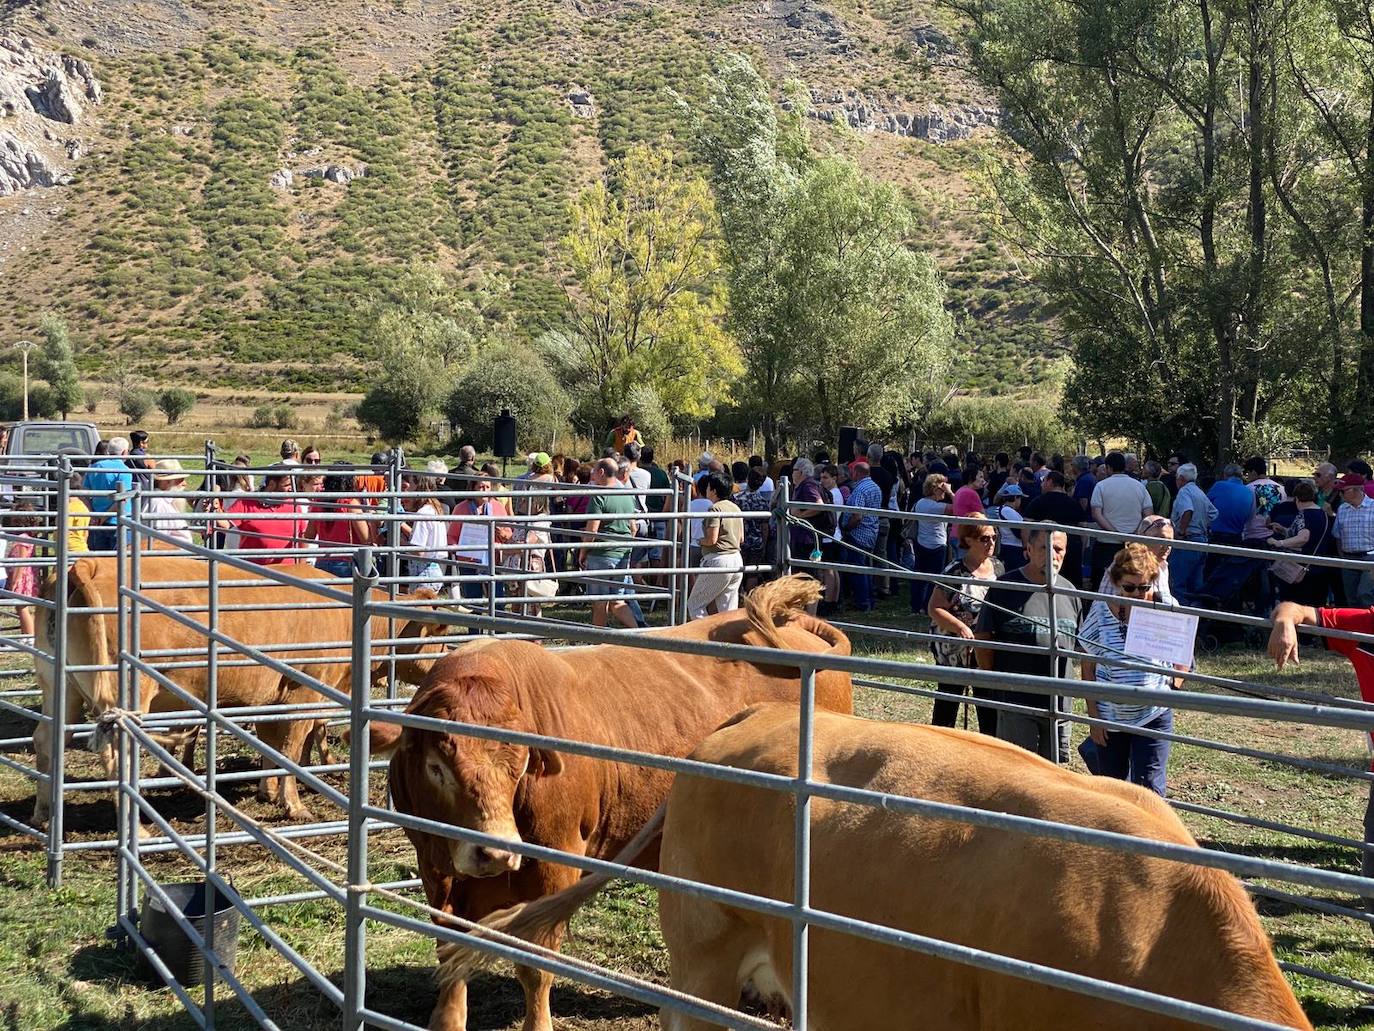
pixel 1331 857
pixel 93 814
pixel 1329 1017
pixel 403 991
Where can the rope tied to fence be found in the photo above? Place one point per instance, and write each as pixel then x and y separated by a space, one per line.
pixel 108 723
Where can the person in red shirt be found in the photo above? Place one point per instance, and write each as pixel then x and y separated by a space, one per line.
pixel 339 499
pixel 268 523
pixel 1283 649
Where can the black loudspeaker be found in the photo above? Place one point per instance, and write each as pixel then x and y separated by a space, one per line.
pixel 503 433
pixel 848 434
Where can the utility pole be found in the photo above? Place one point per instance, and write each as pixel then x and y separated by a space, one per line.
pixel 24 347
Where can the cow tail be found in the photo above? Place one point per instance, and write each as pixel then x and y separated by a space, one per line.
pixel 778 599
pixel 535 921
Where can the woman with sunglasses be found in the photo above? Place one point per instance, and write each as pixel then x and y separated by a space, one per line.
pixel 954 609
pixel 1122 754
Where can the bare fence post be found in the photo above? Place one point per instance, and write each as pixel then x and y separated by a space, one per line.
pixel 211 754
pixel 1052 702
pixel 801 858
pixel 355 929
pixel 58 727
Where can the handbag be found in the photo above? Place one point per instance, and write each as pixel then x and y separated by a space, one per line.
pixel 1291 572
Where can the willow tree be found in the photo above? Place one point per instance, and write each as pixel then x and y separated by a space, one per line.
pixel 839 319
pixel 645 307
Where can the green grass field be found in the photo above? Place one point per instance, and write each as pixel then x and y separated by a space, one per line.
pixel 58 971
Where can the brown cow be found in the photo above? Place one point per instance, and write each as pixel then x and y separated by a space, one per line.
pixel 607 694
pixel 1188 932
pixel 91 641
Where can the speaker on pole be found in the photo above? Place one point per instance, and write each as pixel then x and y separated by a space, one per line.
pixel 848 434
pixel 503 434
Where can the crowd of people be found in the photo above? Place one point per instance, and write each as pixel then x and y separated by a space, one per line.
pixel 599 523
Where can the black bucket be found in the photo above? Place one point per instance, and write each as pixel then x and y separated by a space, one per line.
pixel 173 947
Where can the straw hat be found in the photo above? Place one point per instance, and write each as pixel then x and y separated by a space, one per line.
pixel 168 470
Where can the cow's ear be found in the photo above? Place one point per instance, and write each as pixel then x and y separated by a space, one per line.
pixel 545 762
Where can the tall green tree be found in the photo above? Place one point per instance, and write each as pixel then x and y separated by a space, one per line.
pixel 58 365
pixel 840 320
pixel 646 305
pixel 421 335
pixel 1144 192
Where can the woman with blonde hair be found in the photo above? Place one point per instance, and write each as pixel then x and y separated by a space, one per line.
pixel 1152 526
pixel 928 535
pixel 1120 753
pixel 954 612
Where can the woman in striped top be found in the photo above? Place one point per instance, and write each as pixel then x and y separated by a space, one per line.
pixel 1139 758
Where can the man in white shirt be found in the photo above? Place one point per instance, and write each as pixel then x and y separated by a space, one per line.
pixel 756 462
pixel 1118 504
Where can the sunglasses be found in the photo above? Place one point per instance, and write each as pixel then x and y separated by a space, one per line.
pixel 312 461
pixel 986 538
pixel 1135 588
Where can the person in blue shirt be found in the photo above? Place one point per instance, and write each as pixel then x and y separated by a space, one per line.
pixel 109 474
pixel 1235 504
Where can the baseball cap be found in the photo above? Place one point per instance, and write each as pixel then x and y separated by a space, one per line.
pixel 540 458
pixel 1010 490
pixel 1350 480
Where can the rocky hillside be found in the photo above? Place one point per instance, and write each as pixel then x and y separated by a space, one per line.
pixel 218 190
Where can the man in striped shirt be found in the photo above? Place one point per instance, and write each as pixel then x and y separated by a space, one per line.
pixel 1355 530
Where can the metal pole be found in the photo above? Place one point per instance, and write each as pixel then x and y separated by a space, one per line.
pixel 355 930
pixel 801 868
pixel 124 875
pixel 392 528
pixel 685 582
pixel 211 538
pixel 128 539
pixel 784 529
pixel 491 564
pixel 211 810
pixel 58 727
pixel 1051 701
pixel 675 532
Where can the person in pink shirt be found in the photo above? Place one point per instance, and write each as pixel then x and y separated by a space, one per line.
pixel 968 499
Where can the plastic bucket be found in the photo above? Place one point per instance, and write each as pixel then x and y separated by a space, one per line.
pixel 169 941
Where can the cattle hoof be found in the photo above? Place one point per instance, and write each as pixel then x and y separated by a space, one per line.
pixel 300 814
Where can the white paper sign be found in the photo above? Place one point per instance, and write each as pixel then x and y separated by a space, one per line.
pixel 1162 636
pixel 472 539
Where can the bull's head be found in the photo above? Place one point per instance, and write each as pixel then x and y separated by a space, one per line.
pixel 464 781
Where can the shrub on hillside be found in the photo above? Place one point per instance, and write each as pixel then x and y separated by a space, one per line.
pixel 135 403
pixel 273 416
pixel 174 403
pixel 508 376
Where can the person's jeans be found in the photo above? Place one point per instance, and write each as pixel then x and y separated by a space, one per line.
pixel 635 610
pixel 101 540
pixel 860 584
pixel 335 566
pixel 1185 574
pixel 1103 554
pixel 928 560
pixel 1137 758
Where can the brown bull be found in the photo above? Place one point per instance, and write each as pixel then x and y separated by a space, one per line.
pixel 632 698
pixel 91 641
pixel 1183 931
